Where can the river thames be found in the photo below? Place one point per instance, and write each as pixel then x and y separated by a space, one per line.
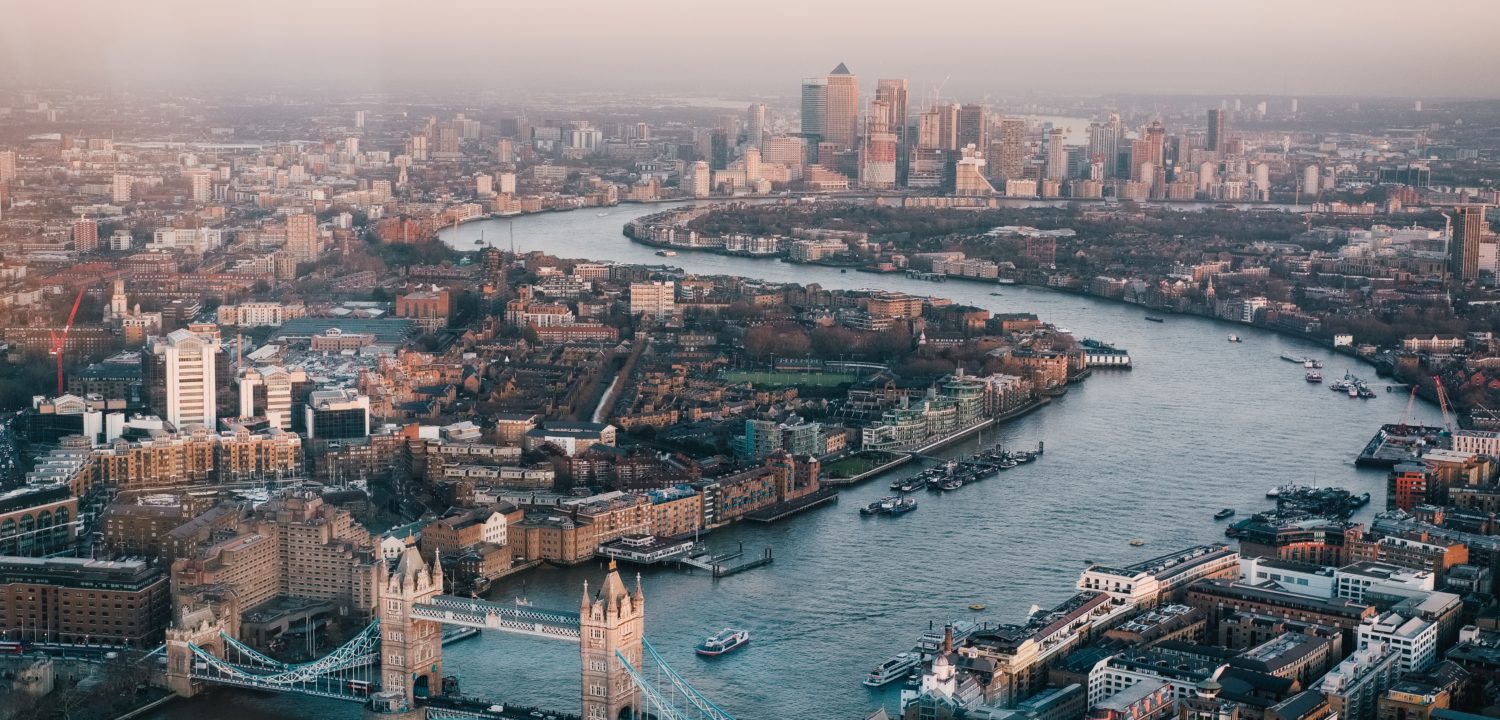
pixel 1200 424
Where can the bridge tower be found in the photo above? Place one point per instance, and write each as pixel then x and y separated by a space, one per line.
pixel 614 619
pixel 411 650
pixel 200 625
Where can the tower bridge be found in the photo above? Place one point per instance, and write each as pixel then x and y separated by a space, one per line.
pixel 395 665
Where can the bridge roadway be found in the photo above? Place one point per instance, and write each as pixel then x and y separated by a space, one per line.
pixel 553 624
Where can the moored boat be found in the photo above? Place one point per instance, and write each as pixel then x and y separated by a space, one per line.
pixel 893 669
pixel 726 640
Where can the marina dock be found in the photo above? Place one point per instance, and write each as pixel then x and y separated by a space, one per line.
pixel 726 564
pixel 1396 443
pixel 789 508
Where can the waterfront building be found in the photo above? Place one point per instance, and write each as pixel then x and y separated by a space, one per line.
pixel 1354 686
pixel 1315 540
pixel 82 600
pixel 569 531
pixel 1152 582
pixel 1021 654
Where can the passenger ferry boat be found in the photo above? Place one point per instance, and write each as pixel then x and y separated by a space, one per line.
pixel 932 640
pixel 667 253
pixel 727 640
pixel 1313 376
pixel 893 669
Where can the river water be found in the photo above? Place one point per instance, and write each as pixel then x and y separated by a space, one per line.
pixel 1200 424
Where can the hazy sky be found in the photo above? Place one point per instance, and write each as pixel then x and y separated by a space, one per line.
pixel 1268 47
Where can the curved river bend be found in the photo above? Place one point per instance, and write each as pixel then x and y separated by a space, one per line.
pixel 1200 424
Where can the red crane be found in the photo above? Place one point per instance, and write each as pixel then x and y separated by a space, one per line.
pixel 1443 403
pixel 59 340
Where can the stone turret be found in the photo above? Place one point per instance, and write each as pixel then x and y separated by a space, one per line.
pixel 610 625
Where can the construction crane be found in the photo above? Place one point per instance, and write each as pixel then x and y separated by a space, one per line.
pixel 1411 402
pixel 1443 403
pixel 58 341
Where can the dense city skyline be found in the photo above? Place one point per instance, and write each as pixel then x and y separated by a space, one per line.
pixel 1278 47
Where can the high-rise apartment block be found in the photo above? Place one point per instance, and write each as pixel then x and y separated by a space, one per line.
pixel 656 298
pixel 85 235
pixel 187 360
pixel 302 241
pixel 1463 245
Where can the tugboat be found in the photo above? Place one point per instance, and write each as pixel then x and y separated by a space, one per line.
pixel 902 507
pixel 1313 376
pixel 1225 513
pixel 727 640
pixel 892 669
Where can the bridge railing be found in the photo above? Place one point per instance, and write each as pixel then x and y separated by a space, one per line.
pixel 669 696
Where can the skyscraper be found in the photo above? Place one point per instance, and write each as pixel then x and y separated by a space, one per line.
pixel 7 165
pixel 1012 149
pixel 187 361
pixel 893 93
pixel 878 160
pixel 1463 243
pixel 1104 144
pixel 973 126
pixel 755 125
pixel 841 110
pixel 814 108
pixel 1215 139
pixel 302 237
pixel 1155 149
pixel 85 235
pixel 1057 155
pixel 947 126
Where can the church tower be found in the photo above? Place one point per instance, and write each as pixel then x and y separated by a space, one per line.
pixel 613 620
pixel 411 650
